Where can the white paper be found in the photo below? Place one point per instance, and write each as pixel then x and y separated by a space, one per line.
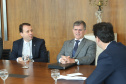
pixel 74 74
pixel 72 77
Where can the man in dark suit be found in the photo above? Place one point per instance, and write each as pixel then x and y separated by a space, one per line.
pixel 28 45
pixel 78 50
pixel 111 67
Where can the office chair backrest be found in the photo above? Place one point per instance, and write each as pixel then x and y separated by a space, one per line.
pixel 93 63
pixel 47 53
pixel 6 54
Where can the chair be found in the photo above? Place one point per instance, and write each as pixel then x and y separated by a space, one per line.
pixel 93 63
pixel 1 47
pixel 99 50
pixel 6 54
pixel 47 54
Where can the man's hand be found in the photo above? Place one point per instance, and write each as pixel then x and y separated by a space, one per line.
pixel 63 59
pixel 66 59
pixel 70 60
pixel 20 59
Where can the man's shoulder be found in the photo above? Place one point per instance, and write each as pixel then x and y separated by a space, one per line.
pixel 85 39
pixel 37 39
pixel 19 40
pixel 89 41
pixel 69 41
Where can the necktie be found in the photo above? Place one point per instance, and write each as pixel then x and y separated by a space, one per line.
pixel 75 48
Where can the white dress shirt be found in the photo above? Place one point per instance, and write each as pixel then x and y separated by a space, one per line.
pixel 27 49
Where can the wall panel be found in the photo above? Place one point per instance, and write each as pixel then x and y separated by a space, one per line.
pixel 52 20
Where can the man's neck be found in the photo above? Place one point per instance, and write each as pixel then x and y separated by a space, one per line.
pixel 27 40
pixel 105 45
pixel 79 39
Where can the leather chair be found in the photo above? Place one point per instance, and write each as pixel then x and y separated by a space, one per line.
pixel 6 54
pixel 93 63
pixel 47 54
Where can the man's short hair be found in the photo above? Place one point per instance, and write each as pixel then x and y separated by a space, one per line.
pixel 78 23
pixel 104 31
pixel 21 26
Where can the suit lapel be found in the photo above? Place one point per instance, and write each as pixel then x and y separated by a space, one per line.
pixel 33 47
pixel 80 47
pixel 20 47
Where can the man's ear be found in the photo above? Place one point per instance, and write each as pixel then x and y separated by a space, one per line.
pixel 21 34
pixel 97 39
pixel 72 30
pixel 85 31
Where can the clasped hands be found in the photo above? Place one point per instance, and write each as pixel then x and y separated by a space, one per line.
pixel 21 60
pixel 66 59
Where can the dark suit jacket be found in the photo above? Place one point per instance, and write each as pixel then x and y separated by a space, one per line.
pixel 85 53
pixel 111 68
pixel 38 50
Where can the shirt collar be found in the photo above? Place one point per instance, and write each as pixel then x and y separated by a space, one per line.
pixel 107 45
pixel 79 39
pixel 25 42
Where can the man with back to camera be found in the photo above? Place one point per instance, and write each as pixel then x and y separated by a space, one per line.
pixel 78 50
pixel 111 66
pixel 28 45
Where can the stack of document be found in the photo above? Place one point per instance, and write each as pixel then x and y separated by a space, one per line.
pixel 73 76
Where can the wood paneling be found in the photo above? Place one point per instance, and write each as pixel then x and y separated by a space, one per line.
pixel 53 20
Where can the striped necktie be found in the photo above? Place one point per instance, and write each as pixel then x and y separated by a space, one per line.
pixel 75 48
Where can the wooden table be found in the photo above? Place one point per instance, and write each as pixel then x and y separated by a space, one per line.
pixel 38 73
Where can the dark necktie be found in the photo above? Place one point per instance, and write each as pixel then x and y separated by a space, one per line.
pixel 75 48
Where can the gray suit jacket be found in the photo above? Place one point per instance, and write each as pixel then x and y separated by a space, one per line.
pixel 85 53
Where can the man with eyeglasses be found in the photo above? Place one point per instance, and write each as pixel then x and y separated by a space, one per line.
pixel 28 45
pixel 78 50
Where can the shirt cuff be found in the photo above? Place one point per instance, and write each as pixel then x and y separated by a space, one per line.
pixel 59 60
pixel 32 60
pixel 17 59
pixel 77 61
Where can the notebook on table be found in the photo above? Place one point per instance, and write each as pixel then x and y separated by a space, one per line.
pixel 60 66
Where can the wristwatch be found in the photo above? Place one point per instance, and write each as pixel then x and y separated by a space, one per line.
pixel 76 60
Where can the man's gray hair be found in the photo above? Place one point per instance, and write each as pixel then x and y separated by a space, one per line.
pixel 78 23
